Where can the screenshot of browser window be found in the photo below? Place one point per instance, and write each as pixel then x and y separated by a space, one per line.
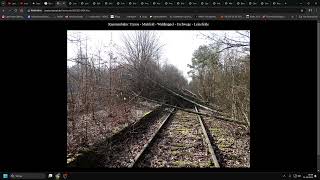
pixel 160 89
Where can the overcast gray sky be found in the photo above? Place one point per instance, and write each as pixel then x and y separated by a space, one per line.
pixel 177 50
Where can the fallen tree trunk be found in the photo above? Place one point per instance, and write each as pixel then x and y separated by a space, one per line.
pixel 196 97
pixel 189 100
pixel 230 120
pixel 220 115
pixel 188 91
pixel 177 107
pixel 199 113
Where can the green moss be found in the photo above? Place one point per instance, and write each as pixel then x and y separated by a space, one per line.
pixel 183 131
pixel 215 131
pixel 174 152
pixel 180 163
pixel 227 142
pixel 146 113
pixel 211 164
pixel 177 146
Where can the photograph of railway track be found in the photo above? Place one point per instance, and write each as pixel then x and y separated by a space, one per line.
pixel 158 99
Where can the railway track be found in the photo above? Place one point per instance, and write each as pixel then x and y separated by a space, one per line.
pixel 168 138
pixel 182 142
pixel 123 151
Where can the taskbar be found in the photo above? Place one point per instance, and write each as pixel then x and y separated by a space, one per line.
pixel 150 174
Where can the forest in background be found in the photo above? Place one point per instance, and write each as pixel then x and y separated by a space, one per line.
pixel 103 90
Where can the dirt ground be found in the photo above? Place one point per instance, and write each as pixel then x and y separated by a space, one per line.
pixel 102 125
pixel 180 144
pixel 233 141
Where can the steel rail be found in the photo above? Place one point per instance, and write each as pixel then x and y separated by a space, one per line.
pixel 213 156
pixel 139 155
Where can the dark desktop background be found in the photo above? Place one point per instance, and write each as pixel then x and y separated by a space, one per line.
pixel 283 94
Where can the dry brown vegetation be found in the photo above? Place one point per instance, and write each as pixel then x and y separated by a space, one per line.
pixel 103 92
pixel 108 92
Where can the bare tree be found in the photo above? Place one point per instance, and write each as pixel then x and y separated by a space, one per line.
pixel 220 73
